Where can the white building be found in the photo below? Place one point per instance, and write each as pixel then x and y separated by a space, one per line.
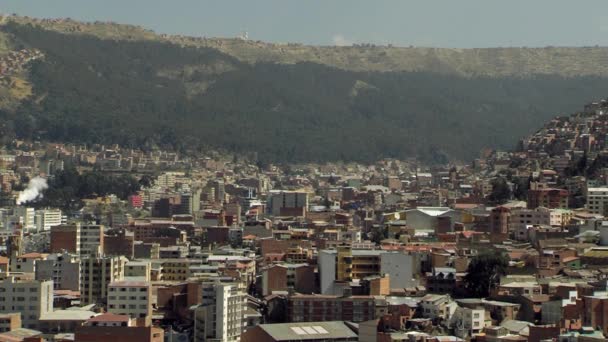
pixel 426 219
pixel 220 317
pixel 33 298
pixel 438 306
pixel 132 298
pixel 47 218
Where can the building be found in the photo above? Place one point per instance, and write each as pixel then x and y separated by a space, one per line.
pixel 65 238
pixel 91 239
pixel 596 311
pixel 63 269
pixel 26 263
pixel 138 269
pixel 313 331
pixel 131 298
pixel 311 308
pixel 28 217
pixel 438 307
pixel 10 321
pixel 597 201
pixel 345 264
pixel 282 277
pixel 116 328
pixel 285 203
pixel 548 198
pixel 47 218
pixel 220 316
pixel 468 322
pixel 96 274
pixel 32 298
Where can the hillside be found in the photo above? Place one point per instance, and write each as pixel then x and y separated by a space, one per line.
pixel 121 84
pixel 493 62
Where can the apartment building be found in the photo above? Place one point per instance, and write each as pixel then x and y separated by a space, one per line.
pixel 66 238
pixel 96 274
pixel 287 203
pixel 345 264
pixel 220 316
pixel 131 298
pixel 597 201
pixel 63 269
pixel 312 308
pixel 91 239
pixel 32 298
pixel 47 218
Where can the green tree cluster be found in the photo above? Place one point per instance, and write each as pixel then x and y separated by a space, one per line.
pixel 484 272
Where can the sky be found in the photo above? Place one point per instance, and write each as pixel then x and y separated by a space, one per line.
pixel 435 23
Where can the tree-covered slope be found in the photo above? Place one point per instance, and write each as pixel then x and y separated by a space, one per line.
pixel 147 92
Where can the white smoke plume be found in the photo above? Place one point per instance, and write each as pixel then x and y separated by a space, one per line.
pixel 33 191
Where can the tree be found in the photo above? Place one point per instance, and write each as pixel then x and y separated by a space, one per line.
pixel 484 272
pixel 501 191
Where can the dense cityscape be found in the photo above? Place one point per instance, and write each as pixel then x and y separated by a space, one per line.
pixel 290 171
pixel 104 242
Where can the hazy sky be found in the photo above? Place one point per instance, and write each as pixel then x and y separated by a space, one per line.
pixel 446 23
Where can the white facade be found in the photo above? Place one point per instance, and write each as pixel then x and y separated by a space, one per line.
pixel 25 216
pixel 438 306
pixel 132 298
pixel 33 298
pixel 220 316
pixel 47 218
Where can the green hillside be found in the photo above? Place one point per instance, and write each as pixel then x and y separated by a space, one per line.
pixel 146 91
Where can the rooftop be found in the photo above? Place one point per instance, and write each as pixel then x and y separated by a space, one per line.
pixel 308 331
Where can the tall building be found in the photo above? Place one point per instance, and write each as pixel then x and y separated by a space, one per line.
pixel 28 217
pixel 131 298
pixel 96 274
pixel 597 201
pixel 33 298
pixel 220 316
pixel 47 218
pixel 65 238
pixel 284 202
pixel 91 239
pixel 63 269
pixel 190 202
